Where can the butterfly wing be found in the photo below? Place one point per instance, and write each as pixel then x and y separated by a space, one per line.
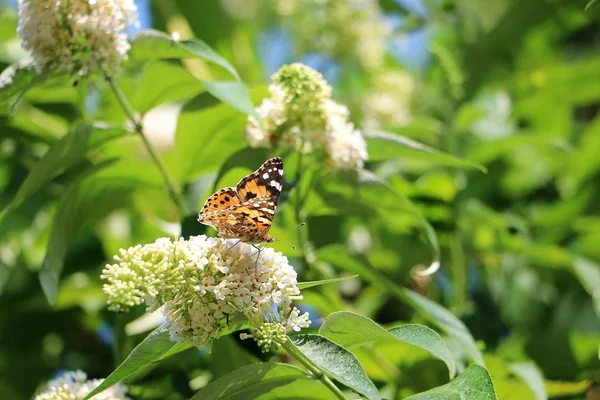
pixel 246 212
pixel 250 221
pixel 267 181
pixel 221 200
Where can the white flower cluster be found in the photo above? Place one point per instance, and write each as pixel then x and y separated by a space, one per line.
pixel 74 385
pixel 301 114
pixel 200 282
pixel 354 29
pixel 76 36
pixel 389 100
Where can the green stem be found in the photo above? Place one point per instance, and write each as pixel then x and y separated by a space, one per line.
pixel 314 370
pixel 119 341
pixel 174 189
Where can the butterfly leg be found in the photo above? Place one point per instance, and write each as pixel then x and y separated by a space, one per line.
pixel 258 250
pixel 231 247
pixel 235 244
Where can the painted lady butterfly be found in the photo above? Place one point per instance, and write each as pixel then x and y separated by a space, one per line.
pixel 246 212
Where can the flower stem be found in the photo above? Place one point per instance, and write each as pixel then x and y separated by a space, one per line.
pixel 314 370
pixel 174 189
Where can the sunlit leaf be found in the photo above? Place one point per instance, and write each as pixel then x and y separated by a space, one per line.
pixel 429 310
pixel 306 285
pixel 163 82
pixel 384 145
pixel 236 94
pixel 152 349
pixel 336 362
pixel 473 383
pixel 151 44
pixel 207 137
pixel 349 329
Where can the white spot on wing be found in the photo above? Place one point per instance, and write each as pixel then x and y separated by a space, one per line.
pixel 281 172
pixel 276 185
pixel 265 176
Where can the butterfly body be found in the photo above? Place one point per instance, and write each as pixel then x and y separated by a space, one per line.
pixel 246 212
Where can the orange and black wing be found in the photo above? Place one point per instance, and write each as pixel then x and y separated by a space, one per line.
pixel 265 182
pixel 221 200
pixel 250 221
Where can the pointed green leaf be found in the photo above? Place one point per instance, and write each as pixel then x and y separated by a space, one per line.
pixel 473 384
pixel 266 380
pixel 384 145
pixel 446 321
pixel 337 362
pixel 429 310
pixel 150 44
pixel 306 285
pixel 152 349
pixel 349 329
pixel 236 94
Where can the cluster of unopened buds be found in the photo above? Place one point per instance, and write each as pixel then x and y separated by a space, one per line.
pixel 302 115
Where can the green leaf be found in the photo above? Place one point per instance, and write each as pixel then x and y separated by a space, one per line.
pixel 155 347
pixel 69 152
pixel 533 378
pixel 429 310
pixel 151 44
pixel 473 384
pixel 336 362
pixel 81 205
pixel 266 380
pixel 306 285
pixel 384 145
pixel 206 137
pixel 349 329
pixel 236 94
pixel 163 82
pixel 228 355
pixel 446 321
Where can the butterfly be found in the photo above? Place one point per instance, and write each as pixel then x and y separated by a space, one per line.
pixel 246 212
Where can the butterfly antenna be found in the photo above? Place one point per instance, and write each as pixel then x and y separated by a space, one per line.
pixel 293 227
pixel 285 230
pixel 279 240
